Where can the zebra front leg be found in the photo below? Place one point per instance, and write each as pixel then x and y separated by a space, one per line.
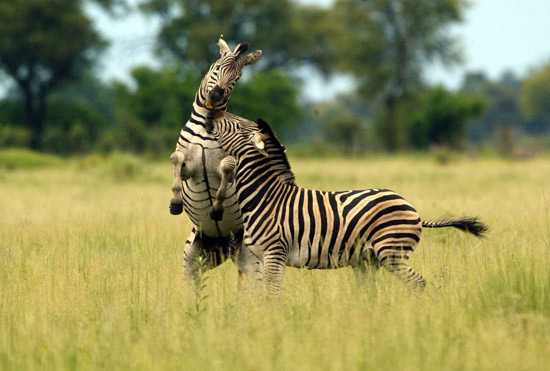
pixel 251 267
pixel 176 203
pixel 275 259
pixel 394 259
pixel 226 170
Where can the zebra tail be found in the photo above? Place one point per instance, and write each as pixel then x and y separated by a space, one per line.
pixel 466 224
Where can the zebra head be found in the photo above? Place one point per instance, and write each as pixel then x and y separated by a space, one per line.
pixel 253 145
pixel 247 137
pixel 218 83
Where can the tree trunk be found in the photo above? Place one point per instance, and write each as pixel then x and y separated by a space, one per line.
pixel 390 128
pixel 398 83
pixel 35 112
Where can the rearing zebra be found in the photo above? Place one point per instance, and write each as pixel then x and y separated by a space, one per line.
pixel 285 224
pixel 199 160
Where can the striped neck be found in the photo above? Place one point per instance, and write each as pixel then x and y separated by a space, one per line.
pixel 235 135
pixel 259 179
pixel 203 116
pixel 275 166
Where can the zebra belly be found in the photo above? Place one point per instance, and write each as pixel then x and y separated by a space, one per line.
pixel 311 259
pixel 202 158
pixel 197 202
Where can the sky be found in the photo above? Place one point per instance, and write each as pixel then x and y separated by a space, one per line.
pixel 500 35
pixel 497 35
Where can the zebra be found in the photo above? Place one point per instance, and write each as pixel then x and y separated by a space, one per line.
pixel 287 225
pixel 199 160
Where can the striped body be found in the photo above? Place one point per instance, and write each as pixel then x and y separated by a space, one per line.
pixel 287 225
pixel 320 229
pixel 197 162
pixel 333 229
pixel 203 154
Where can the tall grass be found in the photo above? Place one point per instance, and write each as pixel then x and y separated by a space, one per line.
pixel 90 278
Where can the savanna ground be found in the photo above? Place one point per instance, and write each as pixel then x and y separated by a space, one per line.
pixel 90 276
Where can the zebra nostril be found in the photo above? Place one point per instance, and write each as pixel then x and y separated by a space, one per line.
pixel 216 94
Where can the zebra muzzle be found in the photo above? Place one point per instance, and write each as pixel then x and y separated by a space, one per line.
pixel 176 206
pixel 209 104
pixel 215 96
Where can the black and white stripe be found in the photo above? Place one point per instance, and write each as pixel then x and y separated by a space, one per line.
pixel 285 224
pixel 197 174
pixel 204 153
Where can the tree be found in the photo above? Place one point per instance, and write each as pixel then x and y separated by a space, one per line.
pixel 270 95
pixel 43 44
pixel 387 43
pixel 441 118
pixel 287 32
pixel 347 132
pixel 535 98
pixel 150 113
pixel 79 112
pixel 502 114
pixel 161 98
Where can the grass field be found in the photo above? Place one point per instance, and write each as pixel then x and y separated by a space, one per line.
pixel 90 276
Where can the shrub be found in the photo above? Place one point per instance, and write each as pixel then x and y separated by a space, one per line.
pixel 442 118
pixel 117 166
pixel 15 159
pixel 11 136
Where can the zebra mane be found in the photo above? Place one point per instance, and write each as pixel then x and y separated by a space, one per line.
pixel 280 150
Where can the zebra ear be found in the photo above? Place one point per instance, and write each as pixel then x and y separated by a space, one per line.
pixel 224 48
pixel 251 57
pixel 240 49
pixel 258 141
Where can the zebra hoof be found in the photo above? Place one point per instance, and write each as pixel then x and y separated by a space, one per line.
pixel 176 207
pixel 216 214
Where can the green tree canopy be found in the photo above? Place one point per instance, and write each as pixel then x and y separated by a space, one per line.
pixel 152 109
pixel 43 44
pixel 346 132
pixel 386 44
pixel 535 96
pixel 161 98
pixel 502 113
pixel 255 97
pixel 78 114
pixel 441 118
pixel 288 33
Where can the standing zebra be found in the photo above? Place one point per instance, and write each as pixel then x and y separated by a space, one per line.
pixel 285 224
pixel 199 160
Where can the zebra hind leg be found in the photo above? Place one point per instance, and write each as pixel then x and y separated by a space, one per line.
pixel 394 260
pixel 366 268
pixel 198 257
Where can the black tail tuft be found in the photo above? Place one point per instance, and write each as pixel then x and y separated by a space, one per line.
pixel 466 224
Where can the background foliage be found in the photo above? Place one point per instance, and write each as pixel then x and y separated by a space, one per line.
pixel 58 102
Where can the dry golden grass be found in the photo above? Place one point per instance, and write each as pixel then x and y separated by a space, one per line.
pixel 90 277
